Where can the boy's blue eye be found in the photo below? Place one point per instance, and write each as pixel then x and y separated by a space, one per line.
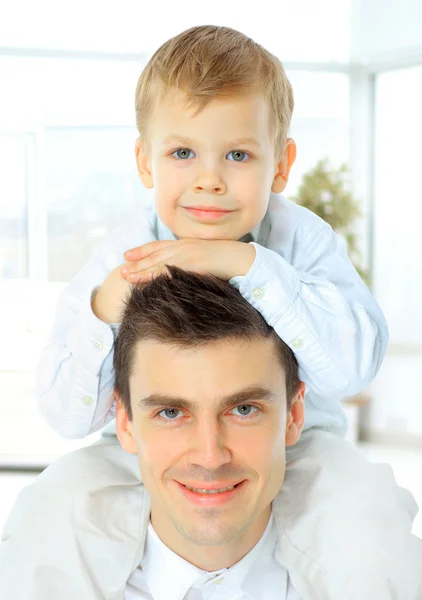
pixel 183 153
pixel 238 156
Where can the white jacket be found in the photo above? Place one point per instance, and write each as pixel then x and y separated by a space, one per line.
pixel 78 532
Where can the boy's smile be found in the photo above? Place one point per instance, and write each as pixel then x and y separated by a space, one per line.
pixel 206 212
pixel 213 169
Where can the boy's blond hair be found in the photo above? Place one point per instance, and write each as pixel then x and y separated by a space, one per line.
pixel 207 62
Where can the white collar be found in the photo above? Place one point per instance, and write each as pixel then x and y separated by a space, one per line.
pixel 169 576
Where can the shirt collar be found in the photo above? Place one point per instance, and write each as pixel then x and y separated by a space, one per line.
pixel 172 581
pixel 168 575
pixel 235 577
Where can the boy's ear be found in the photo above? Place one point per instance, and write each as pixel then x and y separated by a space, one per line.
pixel 283 168
pixel 296 416
pixel 143 165
pixel 124 429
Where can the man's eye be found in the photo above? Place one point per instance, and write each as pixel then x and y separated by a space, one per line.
pixel 238 156
pixel 183 153
pixel 169 413
pixel 245 410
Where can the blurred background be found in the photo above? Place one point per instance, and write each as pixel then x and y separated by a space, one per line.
pixel 68 72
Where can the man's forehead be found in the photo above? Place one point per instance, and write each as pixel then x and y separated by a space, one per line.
pixel 179 346
pixel 224 365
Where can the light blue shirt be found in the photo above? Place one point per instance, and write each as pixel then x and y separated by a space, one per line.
pixel 301 281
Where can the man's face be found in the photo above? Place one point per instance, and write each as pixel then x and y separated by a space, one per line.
pixel 210 417
pixel 212 170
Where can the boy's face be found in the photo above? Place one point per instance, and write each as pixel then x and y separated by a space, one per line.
pixel 212 171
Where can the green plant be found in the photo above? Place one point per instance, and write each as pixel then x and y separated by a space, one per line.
pixel 325 190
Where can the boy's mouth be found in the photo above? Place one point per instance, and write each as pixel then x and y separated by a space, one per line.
pixel 207 213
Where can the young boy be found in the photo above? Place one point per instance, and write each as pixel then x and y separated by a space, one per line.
pixel 213 111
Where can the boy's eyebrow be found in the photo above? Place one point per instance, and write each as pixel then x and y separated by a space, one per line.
pixel 191 142
pixel 246 141
pixel 178 138
pixel 242 396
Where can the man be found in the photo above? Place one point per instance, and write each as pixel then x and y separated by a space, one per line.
pixel 209 399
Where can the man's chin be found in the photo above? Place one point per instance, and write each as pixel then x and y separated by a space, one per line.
pixel 210 532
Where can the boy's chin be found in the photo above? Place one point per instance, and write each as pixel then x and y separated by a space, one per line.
pixel 205 231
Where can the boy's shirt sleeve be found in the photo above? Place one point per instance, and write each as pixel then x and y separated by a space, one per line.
pixel 75 378
pixel 313 297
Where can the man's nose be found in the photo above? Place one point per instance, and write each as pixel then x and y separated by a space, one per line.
pixel 209 445
pixel 209 180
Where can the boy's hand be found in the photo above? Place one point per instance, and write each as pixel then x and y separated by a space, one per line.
pixel 224 259
pixel 107 303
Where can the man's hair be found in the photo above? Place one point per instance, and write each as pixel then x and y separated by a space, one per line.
pixel 188 310
pixel 209 61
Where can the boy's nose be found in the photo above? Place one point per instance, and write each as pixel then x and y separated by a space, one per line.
pixel 211 183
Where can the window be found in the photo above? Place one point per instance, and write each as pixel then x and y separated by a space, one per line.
pixel 91 184
pixel 320 124
pixel 14 206
pixel 398 203
pixel 68 176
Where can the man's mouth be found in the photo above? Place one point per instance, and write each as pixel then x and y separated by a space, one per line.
pixel 212 491
pixel 211 495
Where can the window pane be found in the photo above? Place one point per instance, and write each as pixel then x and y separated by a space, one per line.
pixel 320 124
pixel 66 92
pixel 398 203
pixel 13 208
pixel 91 185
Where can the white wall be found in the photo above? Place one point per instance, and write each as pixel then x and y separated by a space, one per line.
pixel 293 29
pixel 385 29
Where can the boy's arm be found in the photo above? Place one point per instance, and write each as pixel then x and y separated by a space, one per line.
pixel 75 378
pixel 321 308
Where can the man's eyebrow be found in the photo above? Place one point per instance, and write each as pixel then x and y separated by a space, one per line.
pixel 250 394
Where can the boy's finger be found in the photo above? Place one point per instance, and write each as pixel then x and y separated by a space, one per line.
pixel 163 256
pixel 140 252
pixel 147 274
pixel 140 277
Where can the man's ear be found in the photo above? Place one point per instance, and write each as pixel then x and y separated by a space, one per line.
pixel 143 164
pixel 124 428
pixel 296 416
pixel 283 168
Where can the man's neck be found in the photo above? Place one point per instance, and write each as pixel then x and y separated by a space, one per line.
pixel 212 558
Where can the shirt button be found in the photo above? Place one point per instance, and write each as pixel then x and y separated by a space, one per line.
pixel 258 293
pixel 98 344
pixel 297 343
pixel 218 580
pixel 87 400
